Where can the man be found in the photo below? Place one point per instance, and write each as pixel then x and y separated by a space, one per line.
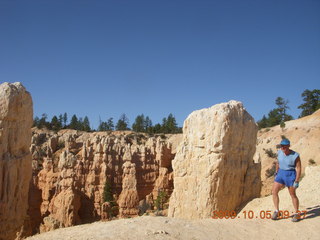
pixel 288 171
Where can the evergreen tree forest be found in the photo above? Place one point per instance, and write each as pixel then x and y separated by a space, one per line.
pixel 142 123
pixel 278 115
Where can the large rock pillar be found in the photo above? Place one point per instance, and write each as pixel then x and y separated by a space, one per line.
pixel 213 168
pixel 16 117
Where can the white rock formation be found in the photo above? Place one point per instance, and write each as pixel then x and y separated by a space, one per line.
pixel 213 167
pixel 15 159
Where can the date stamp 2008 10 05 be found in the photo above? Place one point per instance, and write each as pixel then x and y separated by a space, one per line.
pixel 219 214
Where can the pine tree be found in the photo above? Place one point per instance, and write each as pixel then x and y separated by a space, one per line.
pixel 107 192
pixel 65 119
pixel 43 121
pixel 157 128
pixel 172 124
pixel 36 122
pixel 102 127
pixel 60 119
pixel 148 125
pixel 138 125
pixel 86 124
pixel 80 124
pixel 164 126
pixel 74 123
pixel 169 124
pixel 276 115
pixel 311 102
pixel 263 123
pixel 282 108
pixel 122 123
pixel 110 124
pixel 55 124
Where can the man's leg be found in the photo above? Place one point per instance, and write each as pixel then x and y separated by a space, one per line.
pixel 295 200
pixel 275 190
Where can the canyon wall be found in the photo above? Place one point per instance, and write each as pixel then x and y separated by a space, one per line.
pixel 70 170
pixel 213 167
pixel 16 117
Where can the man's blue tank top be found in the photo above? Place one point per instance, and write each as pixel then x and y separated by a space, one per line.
pixel 287 162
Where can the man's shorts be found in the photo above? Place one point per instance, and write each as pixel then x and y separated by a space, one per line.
pixel 286 177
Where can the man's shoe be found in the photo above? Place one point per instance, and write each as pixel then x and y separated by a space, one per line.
pixel 296 217
pixel 276 215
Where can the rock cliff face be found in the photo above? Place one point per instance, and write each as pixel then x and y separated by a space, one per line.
pixel 15 159
pixel 70 170
pixel 213 167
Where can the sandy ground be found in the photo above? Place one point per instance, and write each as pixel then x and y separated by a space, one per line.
pixel 241 227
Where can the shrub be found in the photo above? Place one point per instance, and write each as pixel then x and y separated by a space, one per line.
pixel 271 171
pixel 270 153
pixel 108 197
pixel 107 193
pixel 312 162
pixel 161 199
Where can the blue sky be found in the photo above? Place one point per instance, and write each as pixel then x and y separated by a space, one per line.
pixel 105 58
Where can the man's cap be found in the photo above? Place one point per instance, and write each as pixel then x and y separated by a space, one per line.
pixel 285 142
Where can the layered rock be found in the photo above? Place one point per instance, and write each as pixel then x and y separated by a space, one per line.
pixel 213 167
pixel 16 118
pixel 70 170
pixel 129 199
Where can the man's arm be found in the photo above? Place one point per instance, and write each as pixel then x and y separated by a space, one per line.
pixel 298 169
pixel 277 168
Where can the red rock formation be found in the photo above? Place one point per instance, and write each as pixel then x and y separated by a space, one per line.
pixel 70 170
pixel 128 199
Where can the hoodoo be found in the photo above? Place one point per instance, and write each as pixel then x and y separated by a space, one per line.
pixel 16 117
pixel 213 167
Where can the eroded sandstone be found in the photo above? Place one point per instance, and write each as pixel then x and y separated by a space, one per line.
pixel 213 167
pixel 70 170
pixel 15 159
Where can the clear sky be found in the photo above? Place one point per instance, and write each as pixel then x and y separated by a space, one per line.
pixel 104 58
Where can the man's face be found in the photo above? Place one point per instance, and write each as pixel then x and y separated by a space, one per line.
pixel 285 148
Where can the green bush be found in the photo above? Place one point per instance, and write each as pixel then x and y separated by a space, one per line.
pixel 160 200
pixel 108 197
pixel 312 162
pixel 271 171
pixel 107 193
pixel 270 153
